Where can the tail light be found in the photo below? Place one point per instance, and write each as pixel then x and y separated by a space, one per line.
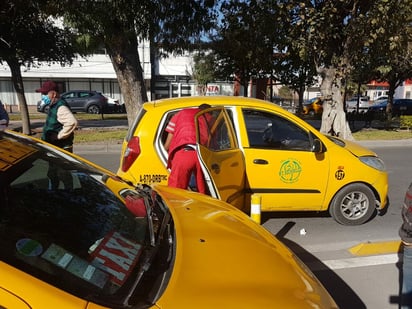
pixel 131 153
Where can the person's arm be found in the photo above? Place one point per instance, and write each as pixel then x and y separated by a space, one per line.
pixel 168 141
pixel 66 117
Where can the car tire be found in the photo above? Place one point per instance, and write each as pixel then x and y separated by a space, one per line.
pixel 353 205
pixel 93 109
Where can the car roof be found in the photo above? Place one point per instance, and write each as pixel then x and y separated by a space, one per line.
pixel 182 102
pixel 91 91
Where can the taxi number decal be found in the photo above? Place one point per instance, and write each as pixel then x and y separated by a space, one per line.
pixel 340 174
pixel 152 178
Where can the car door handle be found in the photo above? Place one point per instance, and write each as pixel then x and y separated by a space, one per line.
pixel 260 161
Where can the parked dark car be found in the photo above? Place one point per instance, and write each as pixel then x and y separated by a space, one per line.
pixel 114 106
pixel 400 107
pixel 91 102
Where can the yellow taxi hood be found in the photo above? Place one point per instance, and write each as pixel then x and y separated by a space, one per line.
pixel 355 148
pixel 220 251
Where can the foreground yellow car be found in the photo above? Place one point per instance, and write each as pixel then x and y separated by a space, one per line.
pixel 74 235
pixel 256 147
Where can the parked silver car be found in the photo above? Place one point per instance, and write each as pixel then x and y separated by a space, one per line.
pixel 351 104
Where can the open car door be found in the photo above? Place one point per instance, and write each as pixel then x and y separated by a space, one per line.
pixel 221 159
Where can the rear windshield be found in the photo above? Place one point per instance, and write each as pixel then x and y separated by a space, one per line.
pixel 133 127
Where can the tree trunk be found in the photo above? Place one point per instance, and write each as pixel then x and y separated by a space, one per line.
pixel 391 93
pixel 300 103
pixel 245 83
pixel 333 118
pixel 17 81
pixel 126 63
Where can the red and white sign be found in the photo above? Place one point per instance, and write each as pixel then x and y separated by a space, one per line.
pixel 117 256
pixel 213 90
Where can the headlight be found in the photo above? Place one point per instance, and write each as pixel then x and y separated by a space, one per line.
pixel 374 162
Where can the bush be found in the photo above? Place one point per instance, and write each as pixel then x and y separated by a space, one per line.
pixel 406 122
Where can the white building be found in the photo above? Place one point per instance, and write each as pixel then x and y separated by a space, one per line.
pixel 170 77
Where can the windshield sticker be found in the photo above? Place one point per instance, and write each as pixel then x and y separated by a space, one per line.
pixel 75 265
pixel 117 256
pixel 11 153
pixel 29 247
pixel 290 170
pixel 154 178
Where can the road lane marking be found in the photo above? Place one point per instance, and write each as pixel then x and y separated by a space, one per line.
pixel 354 262
pixel 375 248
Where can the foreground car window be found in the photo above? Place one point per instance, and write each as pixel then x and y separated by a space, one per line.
pixel 61 222
pixel 266 130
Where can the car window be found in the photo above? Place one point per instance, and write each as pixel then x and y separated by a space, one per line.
pixel 85 94
pixel 69 95
pixel 267 130
pixel 213 127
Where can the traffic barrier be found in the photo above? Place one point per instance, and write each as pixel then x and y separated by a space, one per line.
pixel 255 207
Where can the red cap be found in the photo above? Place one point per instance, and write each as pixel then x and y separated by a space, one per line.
pixel 47 86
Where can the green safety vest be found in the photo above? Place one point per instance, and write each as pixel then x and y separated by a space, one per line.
pixel 52 127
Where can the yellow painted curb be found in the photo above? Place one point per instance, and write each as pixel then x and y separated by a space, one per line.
pixel 373 248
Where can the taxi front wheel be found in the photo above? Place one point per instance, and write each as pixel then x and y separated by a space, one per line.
pixel 353 205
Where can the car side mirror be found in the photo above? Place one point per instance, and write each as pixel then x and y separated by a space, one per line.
pixel 317 146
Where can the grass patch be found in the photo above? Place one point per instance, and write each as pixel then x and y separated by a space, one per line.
pixel 101 135
pixel 375 134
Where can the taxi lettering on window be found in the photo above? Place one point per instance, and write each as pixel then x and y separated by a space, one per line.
pixel 152 178
pixel 117 256
pixel 11 153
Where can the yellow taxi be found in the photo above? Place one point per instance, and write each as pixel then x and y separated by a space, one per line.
pixel 313 107
pixel 256 147
pixel 74 235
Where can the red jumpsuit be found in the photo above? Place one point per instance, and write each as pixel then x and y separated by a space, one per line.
pixel 183 159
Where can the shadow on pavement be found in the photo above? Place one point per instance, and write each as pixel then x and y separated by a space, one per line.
pixel 343 295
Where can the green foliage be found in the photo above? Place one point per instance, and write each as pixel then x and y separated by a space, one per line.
pixel 285 92
pixel 28 35
pixel 204 69
pixel 244 40
pixel 121 26
pixel 406 122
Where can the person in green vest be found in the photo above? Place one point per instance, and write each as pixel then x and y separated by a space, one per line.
pixel 60 122
pixel 59 131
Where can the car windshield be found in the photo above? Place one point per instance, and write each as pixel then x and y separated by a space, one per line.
pixel 79 229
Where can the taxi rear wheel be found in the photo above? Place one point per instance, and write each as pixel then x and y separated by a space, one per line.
pixel 353 205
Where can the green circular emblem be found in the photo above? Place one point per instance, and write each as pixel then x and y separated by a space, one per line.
pixel 290 171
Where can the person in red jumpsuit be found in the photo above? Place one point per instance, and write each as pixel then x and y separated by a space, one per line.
pixel 181 146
